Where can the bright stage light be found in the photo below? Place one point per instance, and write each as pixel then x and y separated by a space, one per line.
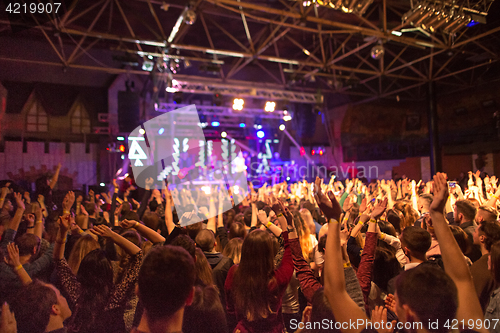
pixel 282 127
pixel 142 131
pixel 236 189
pixel 261 134
pixel 102 184
pixel 206 189
pixel 120 138
pixel 238 104
pixel 243 125
pixel 121 148
pixel 223 134
pixel 215 123
pixel 161 131
pixel 270 106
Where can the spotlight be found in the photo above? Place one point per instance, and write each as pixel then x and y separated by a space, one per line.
pixel 243 125
pixel 287 117
pixel 217 100
pixel 282 127
pixel 223 134
pixel 261 134
pixel 215 123
pixel 123 157
pixel 142 131
pixel 238 104
pixel 270 106
pixel 121 148
pixel 190 17
pixel 321 152
pixel 177 97
pixel 313 152
pixel 161 131
pixel 120 138
pixel 102 184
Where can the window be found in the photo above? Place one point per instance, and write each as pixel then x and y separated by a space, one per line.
pixel 37 120
pixel 80 122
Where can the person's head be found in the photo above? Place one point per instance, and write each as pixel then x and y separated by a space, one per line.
pixel 90 208
pixel 250 284
pixel 203 269
pixel 486 234
pixel 494 262
pixel 308 220
pixel 465 211
pixel 239 218
pixel 206 240
pixel 186 243
pixel 415 242
pixel 82 247
pixel 151 220
pixel 385 267
pixel 36 305
pixel 237 230
pixel 424 202
pixel 407 216
pixel 320 311
pixel 439 304
pixel 247 217
pixel 165 283
pixel 205 312
pixel 486 213
pixel 233 250
pixel 194 229
pixel 461 238
pixel 28 244
pixel 153 206
pixel 95 271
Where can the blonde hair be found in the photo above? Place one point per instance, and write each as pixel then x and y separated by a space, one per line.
pixel 82 247
pixel 303 232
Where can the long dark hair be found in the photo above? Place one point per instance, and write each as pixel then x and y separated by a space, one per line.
pixel 96 278
pixel 495 262
pixel 254 275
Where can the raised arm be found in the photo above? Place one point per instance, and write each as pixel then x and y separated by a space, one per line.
pixel 145 231
pixel 343 307
pixel 125 244
pixel 54 179
pixel 5 190
pixel 15 263
pixel 145 198
pixel 453 259
pixel 18 215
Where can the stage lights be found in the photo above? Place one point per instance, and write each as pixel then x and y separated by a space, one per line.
pixel 430 17
pixel 161 131
pixel 120 138
pixel 223 134
pixel 347 6
pixel 286 115
pixel 142 131
pixel 282 127
pixel 238 104
pixel 121 148
pixel 243 125
pixel 270 106
pixel 261 134
pixel 215 123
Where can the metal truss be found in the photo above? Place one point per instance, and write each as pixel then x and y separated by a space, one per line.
pixel 299 52
pixel 226 89
pixel 222 111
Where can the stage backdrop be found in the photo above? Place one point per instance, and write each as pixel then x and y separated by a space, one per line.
pixel 79 165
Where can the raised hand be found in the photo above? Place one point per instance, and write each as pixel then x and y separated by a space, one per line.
pixel 5 190
pixel 68 201
pixel 441 193
pixel 149 183
pixel 344 236
pixel 8 322
pixel 27 197
pixel 379 209
pixel 41 199
pixel 262 216
pixel 362 207
pixel 102 230
pixel 38 212
pixel 79 199
pixel 329 206
pixel 390 303
pixel 64 223
pixel 126 224
pixel 19 201
pixel 31 219
pixel 379 315
pixel 470 182
pixel 13 252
